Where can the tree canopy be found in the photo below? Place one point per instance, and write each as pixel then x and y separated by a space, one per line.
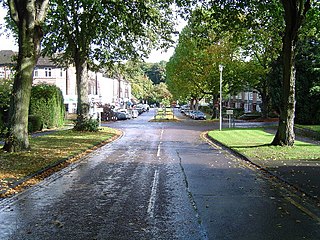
pixel 91 32
pixel 262 30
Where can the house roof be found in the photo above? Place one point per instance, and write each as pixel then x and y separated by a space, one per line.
pixel 6 59
pixel 45 62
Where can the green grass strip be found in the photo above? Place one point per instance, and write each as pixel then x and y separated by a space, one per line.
pixel 315 128
pixel 47 150
pixel 255 144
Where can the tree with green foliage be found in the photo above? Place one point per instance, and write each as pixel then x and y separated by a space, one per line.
pixel 232 16
pixel 87 32
pixel 161 93
pixel 307 82
pixel 141 85
pixel 193 71
pixel 254 27
pixel 294 14
pixel 156 72
pixel 28 17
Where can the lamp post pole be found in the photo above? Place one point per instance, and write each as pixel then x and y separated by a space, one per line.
pixel 220 104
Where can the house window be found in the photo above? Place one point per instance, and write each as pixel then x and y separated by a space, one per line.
pixel 61 72
pixel 47 72
pixel 35 72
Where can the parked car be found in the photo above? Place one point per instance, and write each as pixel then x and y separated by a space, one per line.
pixel 126 112
pixel 187 112
pixel 191 113
pixel 134 113
pixel 184 108
pixel 121 116
pixel 198 115
pixel 139 109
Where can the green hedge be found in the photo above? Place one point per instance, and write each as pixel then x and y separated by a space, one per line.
pixel 34 123
pixel 5 96
pixel 47 102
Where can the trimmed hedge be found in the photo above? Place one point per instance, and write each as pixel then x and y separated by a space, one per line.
pixel 47 102
pixel 5 96
pixel 34 123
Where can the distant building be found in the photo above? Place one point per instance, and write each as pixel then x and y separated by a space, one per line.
pixel 6 64
pixel 102 89
pixel 249 101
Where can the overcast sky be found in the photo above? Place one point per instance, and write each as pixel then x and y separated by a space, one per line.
pixel 9 43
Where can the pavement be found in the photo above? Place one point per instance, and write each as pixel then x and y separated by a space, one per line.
pixel 302 175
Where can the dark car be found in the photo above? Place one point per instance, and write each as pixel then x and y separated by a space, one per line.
pixel 121 115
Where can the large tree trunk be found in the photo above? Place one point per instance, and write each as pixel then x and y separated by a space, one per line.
pixel 83 104
pixel 295 11
pixel 28 16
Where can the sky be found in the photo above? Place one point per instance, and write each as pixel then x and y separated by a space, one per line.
pixel 155 56
pixel 6 43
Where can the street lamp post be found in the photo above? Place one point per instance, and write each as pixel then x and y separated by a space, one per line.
pixel 220 104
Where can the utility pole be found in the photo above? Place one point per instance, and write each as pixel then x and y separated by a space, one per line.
pixel 220 107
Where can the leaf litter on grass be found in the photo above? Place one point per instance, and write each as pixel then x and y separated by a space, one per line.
pixel 255 143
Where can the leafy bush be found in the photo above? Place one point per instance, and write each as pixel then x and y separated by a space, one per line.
pixel 206 109
pixel 5 96
pixel 47 102
pixel 237 112
pixel 86 125
pixel 34 123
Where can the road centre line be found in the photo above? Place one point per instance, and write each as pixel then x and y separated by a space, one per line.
pixel 153 194
pixel 161 134
pixel 159 148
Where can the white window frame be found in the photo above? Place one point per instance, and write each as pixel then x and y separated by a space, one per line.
pixel 36 72
pixel 48 72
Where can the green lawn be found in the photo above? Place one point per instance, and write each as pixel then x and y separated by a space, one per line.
pixel 255 144
pixel 48 150
pixel 315 128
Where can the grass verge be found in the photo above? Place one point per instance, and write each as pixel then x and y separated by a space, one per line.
pixel 255 144
pixel 56 149
pixel 164 116
pixel 315 128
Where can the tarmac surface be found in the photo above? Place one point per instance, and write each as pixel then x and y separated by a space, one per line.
pixel 164 181
pixel 301 174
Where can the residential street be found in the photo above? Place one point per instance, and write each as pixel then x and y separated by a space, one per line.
pixel 159 181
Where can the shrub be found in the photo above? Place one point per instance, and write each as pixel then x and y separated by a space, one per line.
pixel 86 125
pixel 5 96
pixel 206 109
pixel 34 123
pixel 47 102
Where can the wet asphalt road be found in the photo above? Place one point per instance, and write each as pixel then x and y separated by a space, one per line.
pixel 159 181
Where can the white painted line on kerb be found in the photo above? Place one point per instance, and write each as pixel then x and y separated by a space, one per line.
pixel 152 199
